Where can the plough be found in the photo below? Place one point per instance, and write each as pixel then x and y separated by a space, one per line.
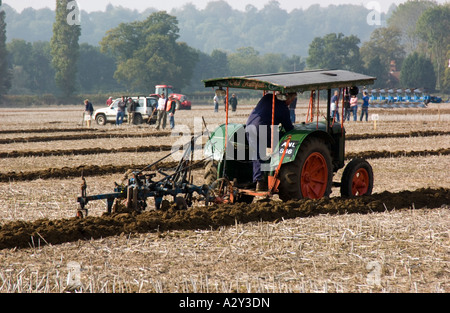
pixel 398 98
pixel 137 186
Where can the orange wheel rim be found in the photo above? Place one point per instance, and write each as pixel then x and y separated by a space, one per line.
pixel 360 182
pixel 314 179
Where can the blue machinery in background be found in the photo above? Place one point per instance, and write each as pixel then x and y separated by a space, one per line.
pixel 400 98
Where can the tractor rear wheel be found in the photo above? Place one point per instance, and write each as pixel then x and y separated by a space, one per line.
pixel 357 179
pixel 211 172
pixel 310 175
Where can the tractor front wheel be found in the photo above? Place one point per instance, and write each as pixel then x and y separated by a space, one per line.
pixel 357 179
pixel 309 175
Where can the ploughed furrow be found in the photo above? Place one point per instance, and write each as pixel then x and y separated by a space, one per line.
pixel 165 134
pixel 395 154
pixel 86 151
pixel 20 234
pixel 81 137
pixel 156 148
pixel 95 170
pixel 87 171
pixel 47 130
pixel 427 133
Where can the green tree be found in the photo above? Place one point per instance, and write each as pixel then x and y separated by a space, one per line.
pixel 404 19
pixel 433 26
pixel 220 66
pixel 19 52
pixel 209 66
pixel 65 48
pixel 334 51
pixel 95 70
pixel 5 76
pixel 445 87
pixel 294 63
pixel 147 53
pixel 19 55
pixel 187 57
pixel 378 69
pixel 202 71
pixel 41 72
pixel 417 72
pixel 31 67
pixel 245 61
pixel 377 53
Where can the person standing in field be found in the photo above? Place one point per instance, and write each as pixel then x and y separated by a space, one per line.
pixel 216 103
pixel 131 111
pixel 121 106
pixel 335 107
pixel 161 112
pixel 88 112
pixel 233 102
pixel 346 116
pixel 354 107
pixel 171 108
pixel 365 107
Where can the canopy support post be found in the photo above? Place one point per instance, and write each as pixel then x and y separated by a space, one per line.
pixel 226 135
pixel 273 122
pixel 328 119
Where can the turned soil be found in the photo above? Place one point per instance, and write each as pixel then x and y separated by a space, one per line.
pixel 18 234
pixel 266 246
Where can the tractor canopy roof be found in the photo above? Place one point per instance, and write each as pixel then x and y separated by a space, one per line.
pixel 294 81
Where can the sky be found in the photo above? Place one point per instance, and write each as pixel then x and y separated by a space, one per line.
pixel 140 5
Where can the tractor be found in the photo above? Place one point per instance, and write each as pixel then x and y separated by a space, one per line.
pixel 182 101
pixel 301 162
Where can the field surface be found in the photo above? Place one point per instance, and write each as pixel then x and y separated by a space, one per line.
pixel 396 240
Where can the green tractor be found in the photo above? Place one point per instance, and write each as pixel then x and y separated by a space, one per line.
pixel 303 161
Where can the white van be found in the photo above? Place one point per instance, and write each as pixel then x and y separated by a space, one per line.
pixel 145 108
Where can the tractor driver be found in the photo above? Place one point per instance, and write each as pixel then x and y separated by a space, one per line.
pixel 259 124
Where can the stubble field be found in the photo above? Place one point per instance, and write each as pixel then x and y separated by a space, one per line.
pixel 396 240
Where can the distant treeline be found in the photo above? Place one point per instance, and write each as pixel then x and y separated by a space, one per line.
pixel 217 26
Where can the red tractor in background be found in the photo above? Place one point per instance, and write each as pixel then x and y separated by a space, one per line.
pixel 182 102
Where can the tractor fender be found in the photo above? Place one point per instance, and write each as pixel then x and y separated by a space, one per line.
pixel 297 138
pixel 215 146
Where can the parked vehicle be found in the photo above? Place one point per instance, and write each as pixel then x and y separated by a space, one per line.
pixel 144 111
pixel 182 101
